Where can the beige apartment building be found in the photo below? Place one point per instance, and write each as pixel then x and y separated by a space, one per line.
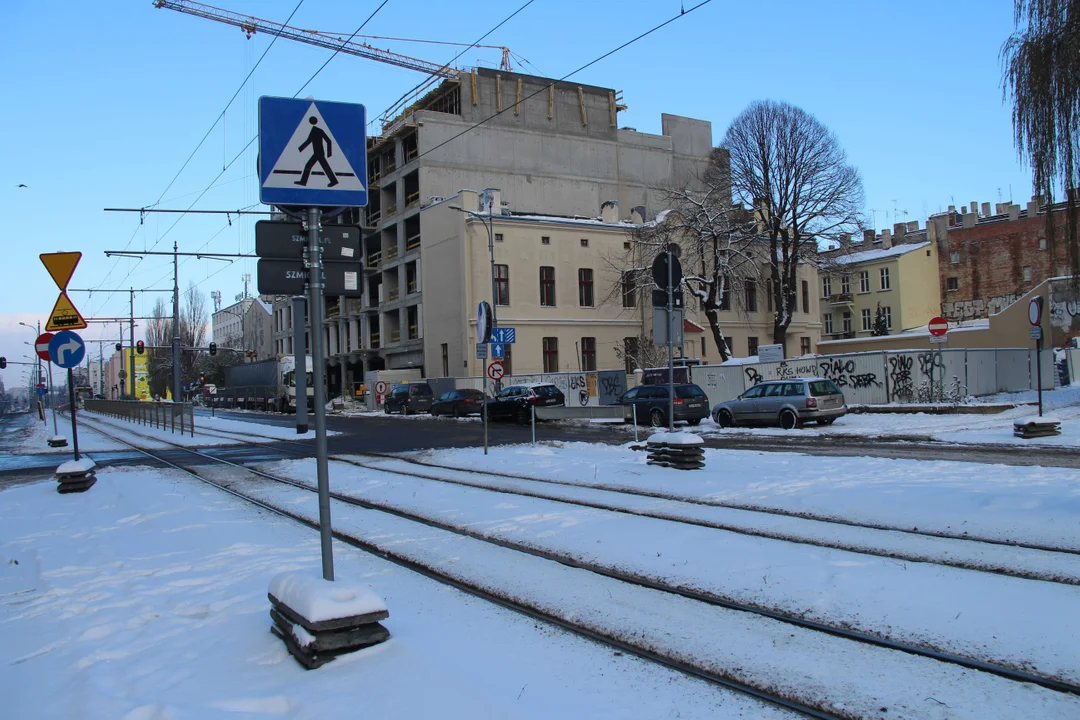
pixel 558 282
pixel 898 272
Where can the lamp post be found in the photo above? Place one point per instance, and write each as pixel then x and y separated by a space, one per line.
pixel 38 379
pixel 488 224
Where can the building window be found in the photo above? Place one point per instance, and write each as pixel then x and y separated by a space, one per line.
pixel 1042 243
pixel 545 240
pixel 954 257
pixel 551 354
pixel 584 242
pixel 768 295
pixel 704 352
pixel 828 323
pixel 751 297
pixel 864 281
pixel 630 351
pixel 887 312
pixel 885 279
pixel 629 290
pixel 725 297
pixel 806 297
pixel 588 354
pixel 751 345
pixel 1027 273
pixel 547 286
pixel 502 284
pixel 804 346
pixel 845 284
pixel 585 287
pixel 498 237
pixel 626 245
pixel 826 286
pixel 952 283
pixel 847 322
pixel 445 360
pixel 867 322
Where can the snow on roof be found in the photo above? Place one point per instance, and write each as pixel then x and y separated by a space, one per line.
pixel 878 254
pixel 265 306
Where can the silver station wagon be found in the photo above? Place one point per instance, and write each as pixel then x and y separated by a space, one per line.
pixel 787 403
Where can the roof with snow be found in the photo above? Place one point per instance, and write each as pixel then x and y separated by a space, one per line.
pixel 878 254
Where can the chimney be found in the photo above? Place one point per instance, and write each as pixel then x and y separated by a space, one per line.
pixel 952 208
pixel 637 214
pixel 869 236
pixel 913 226
pixel 1014 212
pixel 886 239
pixel 975 208
pixel 609 212
pixel 986 209
pixel 970 218
pixel 1033 207
pixel 898 230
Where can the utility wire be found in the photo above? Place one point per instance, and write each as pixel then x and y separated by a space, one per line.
pixel 589 64
pixel 213 125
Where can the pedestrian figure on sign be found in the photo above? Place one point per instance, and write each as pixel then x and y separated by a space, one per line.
pixel 316 139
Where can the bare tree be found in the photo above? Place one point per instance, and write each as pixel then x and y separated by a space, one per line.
pixel 640 353
pixel 791 170
pixel 159 336
pixel 1042 73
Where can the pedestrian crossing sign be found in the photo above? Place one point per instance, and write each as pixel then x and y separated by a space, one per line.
pixel 312 153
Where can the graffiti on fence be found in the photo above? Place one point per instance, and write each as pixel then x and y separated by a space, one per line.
pixel 842 372
pixel 929 362
pixel 901 384
pixel 753 375
pixel 786 370
pixel 612 386
pixel 579 388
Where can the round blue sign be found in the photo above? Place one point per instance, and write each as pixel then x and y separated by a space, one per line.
pixel 67 349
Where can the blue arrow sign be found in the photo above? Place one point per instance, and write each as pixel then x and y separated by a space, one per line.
pixel 66 349
pixel 312 152
pixel 504 335
pixel 498 351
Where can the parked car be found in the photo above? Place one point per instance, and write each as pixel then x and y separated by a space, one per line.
pixel 691 404
pixel 459 403
pixel 514 402
pixel 787 403
pixel 409 399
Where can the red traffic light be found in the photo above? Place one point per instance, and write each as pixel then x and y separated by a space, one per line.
pixel 140 347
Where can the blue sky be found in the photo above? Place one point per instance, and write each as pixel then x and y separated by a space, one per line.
pixel 105 101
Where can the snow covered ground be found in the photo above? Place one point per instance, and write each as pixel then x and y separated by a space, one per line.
pixel 251 431
pixel 145 598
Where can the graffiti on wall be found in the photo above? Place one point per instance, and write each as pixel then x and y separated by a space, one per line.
pixel 971 309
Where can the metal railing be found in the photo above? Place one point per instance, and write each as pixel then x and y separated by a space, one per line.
pixel 395 336
pixel 374 258
pixel 164 415
pixel 413 242
pixel 392 295
pixel 391 252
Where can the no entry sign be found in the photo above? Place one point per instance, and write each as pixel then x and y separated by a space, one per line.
pixel 938 326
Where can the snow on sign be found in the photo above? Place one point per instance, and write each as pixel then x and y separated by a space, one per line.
pixel 938 326
pixel 312 153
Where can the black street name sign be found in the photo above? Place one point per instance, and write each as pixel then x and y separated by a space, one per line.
pixel 659 299
pixel 273 239
pixel 289 277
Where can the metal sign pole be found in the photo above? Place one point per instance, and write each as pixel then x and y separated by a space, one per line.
pixel 485 408
pixel 1038 371
pixel 316 312
pixel 300 367
pixel 74 429
pixel 670 361
pixel 52 400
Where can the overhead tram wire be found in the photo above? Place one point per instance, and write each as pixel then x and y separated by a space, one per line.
pixel 589 64
pixel 197 147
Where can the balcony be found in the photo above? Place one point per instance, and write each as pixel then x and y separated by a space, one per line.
pixel 412 288
pixel 412 243
pixel 412 198
pixel 845 335
pixel 374 341
pixel 841 299
pixel 391 209
pixel 393 295
pixel 395 336
pixel 373 216
pixel 391 252
pixel 373 259
pixel 414 332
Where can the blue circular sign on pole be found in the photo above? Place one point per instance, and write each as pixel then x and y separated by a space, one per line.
pixel 67 349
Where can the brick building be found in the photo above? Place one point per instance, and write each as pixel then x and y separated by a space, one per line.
pixel 987 261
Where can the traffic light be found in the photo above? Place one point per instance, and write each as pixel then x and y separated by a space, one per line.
pixel 140 347
pixel 119 347
pixel 202 378
pixel 3 363
pixel 213 348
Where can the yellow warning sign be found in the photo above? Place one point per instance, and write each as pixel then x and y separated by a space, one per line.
pixel 61 265
pixel 64 316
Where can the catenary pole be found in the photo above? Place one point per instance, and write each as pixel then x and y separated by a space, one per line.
pixel 177 397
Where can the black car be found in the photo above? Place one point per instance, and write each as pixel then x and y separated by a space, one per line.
pixel 459 403
pixel 409 399
pixel 651 401
pixel 516 401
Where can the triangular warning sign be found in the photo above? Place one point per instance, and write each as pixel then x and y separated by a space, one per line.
pixel 64 316
pixel 312 159
pixel 61 265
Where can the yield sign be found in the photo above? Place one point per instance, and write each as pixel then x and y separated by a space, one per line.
pixel 61 265
pixel 64 316
pixel 41 345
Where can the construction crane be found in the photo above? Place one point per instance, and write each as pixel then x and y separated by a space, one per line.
pixel 252 25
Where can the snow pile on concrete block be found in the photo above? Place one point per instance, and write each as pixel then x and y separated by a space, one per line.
pixel 676 438
pixel 72 467
pixel 317 600
pixel 679 450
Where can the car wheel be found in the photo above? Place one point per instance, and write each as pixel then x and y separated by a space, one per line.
pixel 656 418
pixel 789 420
pixel 457 411
pixel 404 410
pixel 826 421
pixel 723 418
pixel 386 409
